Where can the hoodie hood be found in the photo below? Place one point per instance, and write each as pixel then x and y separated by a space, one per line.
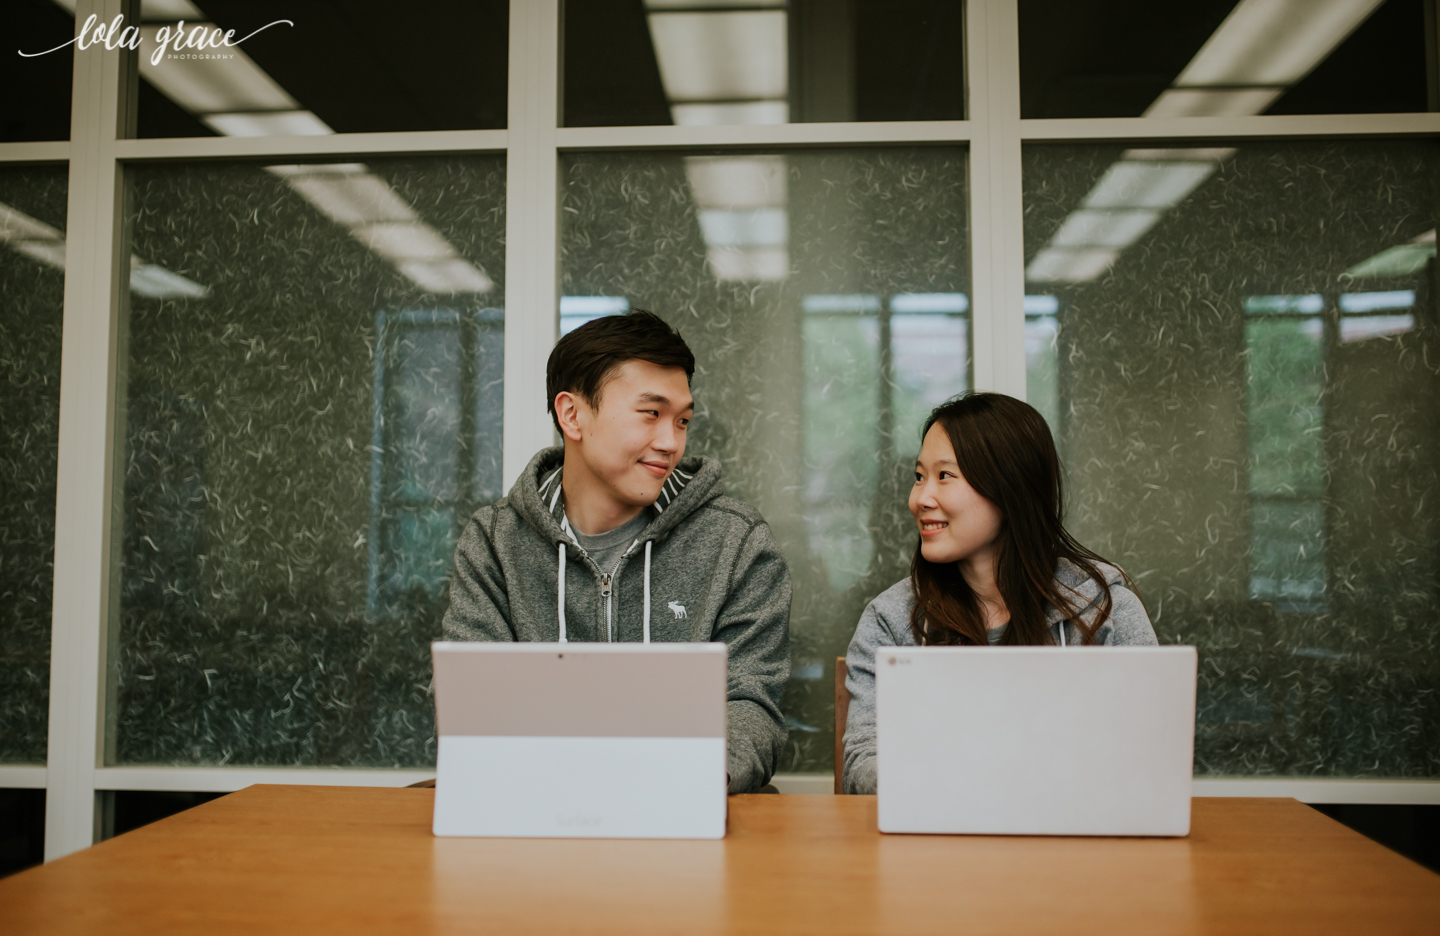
pixel 1077 584
pixel 536 496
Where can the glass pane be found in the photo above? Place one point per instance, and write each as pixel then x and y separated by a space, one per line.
pixel 313 67
pixel 1134 58
pixel 314 399
pixel 1244 370
pixel 32 294
pixel 823 328
pixel 702 62
pixel 38 30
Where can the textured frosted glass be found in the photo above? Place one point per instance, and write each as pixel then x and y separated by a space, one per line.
pixel 831 314
pixel 313 410
pixel 32 291
pixel 1248 400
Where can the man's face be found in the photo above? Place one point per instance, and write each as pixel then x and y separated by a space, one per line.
pixel 636 436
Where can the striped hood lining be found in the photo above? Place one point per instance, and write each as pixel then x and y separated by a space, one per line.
pixel 550 488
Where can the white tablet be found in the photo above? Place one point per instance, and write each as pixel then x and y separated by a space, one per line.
pixel 580 740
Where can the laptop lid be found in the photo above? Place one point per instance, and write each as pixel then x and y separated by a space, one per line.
pixel 580 740
pixel 1035 740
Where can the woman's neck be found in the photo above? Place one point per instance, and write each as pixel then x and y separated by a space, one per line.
pixel 979 572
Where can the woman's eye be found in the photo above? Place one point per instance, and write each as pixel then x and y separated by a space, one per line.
pixel 918 478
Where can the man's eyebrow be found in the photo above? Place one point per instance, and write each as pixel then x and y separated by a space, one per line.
pixel 649 397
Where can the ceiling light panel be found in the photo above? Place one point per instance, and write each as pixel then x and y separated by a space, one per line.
pixel 1375 301
pixel 271 123
pixel 749 113
pixel 1274 42
pixel 353 200
pixel 156 282
pixel 17 225
pixel 1180 154
pixel 1057 265
pixel 213 85
pixel 1147 185
pixel 929 303
pixel 752 265
pixel 737 182
pixel 765 227
pixel 446 276
pixel 1212 102
pixel 720 56
pixel 405 240
pixel 712 4
pixel 1374 326
pixel 48 252
pixel 1086 228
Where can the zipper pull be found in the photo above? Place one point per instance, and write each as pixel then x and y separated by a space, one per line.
pixel 604 586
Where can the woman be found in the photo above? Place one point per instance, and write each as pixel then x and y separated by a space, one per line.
pixel 994 565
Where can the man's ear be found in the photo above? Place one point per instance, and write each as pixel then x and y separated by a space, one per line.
pixel 572 413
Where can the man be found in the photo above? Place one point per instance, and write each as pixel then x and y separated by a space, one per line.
pixel 615 520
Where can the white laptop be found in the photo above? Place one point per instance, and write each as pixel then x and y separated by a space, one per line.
pixel 1035 740
pixel 580 740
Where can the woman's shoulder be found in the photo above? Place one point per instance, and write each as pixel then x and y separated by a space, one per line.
pixel 886 620
pixel 1128 622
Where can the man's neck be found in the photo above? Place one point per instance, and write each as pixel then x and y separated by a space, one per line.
pixel 592 507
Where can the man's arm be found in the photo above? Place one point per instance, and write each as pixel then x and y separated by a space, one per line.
pixel 755 626
pixel 479 604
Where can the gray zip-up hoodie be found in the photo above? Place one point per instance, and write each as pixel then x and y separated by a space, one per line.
pixel 706 565
pixel 886 623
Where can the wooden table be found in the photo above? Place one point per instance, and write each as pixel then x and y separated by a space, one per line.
pixel 281 859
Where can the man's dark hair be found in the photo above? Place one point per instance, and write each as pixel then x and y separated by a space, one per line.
pixel 585 360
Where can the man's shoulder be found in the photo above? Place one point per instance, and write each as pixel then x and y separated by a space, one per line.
pixel 725 505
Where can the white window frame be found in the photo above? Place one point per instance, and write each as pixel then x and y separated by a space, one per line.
pixel 93 354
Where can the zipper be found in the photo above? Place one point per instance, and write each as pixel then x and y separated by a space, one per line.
pixel 606 580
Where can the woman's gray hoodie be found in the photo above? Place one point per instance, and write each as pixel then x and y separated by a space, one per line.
pixel 886 623
pixel 714 574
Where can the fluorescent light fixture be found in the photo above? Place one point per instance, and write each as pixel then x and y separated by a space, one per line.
pixel 860 304
pixel 352 199
pixel 156 11
pixel 1088 228
pixel 1274 42
pixel 1374 326
pixel 269 123
pixel 753 265
pixel 156 282
pixel 1375 301
pixel 1180 154
pixel 722 56
pixel 765 227
pixel 720 115
pixel 16 225
pixel 1285 305
pixel 213 85
pixel 593 306
pixel 319 169
pixel 404 240
pixel 1212 102
pixel 1401 260
pixel 737 182
pixel 711 4
pixel 1147 184
pixel 454 275
pixel 1059 265
pixel 1041 305
pixel 48 252
pixel 929 303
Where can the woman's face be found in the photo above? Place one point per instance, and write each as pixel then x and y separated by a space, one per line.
pixel 955 523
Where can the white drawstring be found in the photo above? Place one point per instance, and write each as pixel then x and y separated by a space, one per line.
pixel 647 591
pixel 561 598
pixel 1062 633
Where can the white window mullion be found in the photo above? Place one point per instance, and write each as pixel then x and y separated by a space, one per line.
pixel 996 219
pixel 531 247
pixel 85 476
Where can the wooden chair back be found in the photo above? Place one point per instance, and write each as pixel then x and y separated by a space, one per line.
pixel 842 712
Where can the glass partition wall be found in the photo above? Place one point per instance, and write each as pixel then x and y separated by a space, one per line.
pixel 305 339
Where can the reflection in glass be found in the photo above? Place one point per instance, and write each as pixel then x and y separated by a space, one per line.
pixel 823 328
pixel 32 289
pixel 42 110
pixel 1248 396
pixel 310 67
pixel 1129 58
pixel 703 63
pixel 302 443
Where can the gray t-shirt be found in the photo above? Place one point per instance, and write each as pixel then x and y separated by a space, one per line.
pixel 996 634
pixel 607 548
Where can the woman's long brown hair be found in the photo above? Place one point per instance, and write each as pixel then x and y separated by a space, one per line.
pixel 1004 450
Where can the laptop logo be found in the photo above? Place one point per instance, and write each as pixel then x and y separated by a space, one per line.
pixel 679 610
